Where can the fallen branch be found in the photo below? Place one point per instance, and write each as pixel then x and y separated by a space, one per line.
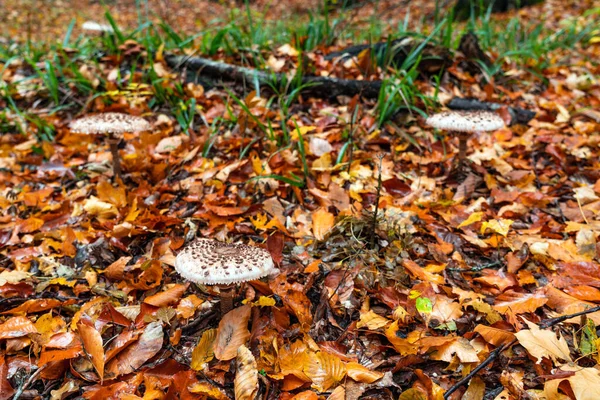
pixel 547 323
pixel 518 115
pixel 318 86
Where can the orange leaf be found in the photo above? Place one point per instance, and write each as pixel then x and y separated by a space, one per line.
pixel 167 297
pixel 16 327
pixel 58 355
pixel 232 333
pixel 325 370
pixel 519 303
pixel 415 270
pixel 361 373
pixel 495 336
pixel 92 343
pixel 322 222
pixel 33 306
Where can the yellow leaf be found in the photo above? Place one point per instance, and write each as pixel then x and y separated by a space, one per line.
pixel 246 376
pixel 203 352
pixel 302 130
pixel 212 392
pixel 94 206
pixel 499 226
pixel 475 217
pixel 264 301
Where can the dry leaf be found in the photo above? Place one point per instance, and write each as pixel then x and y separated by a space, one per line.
pixel 246 376
pixel 232 333
pixel 92 344
pixel 203 352
pixel 543 343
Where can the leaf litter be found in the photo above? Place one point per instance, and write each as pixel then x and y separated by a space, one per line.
pixel 396 281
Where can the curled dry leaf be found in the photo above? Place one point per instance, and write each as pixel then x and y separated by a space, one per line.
pixel 246 376
pixel 232 333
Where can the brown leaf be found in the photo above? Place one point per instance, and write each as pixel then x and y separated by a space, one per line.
pixel 246 376
pixel 136 354
pixel 92 343
pixel 232 333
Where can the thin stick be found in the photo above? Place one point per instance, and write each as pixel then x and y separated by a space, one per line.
pixel 547 323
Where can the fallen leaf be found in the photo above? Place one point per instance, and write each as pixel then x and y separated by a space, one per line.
pixel 246 376
pixel 232 333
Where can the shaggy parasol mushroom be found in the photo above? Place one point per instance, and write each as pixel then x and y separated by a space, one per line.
pixel 465 123
pixel 210 262
pixel 113 125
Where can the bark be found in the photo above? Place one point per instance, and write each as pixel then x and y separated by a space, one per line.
pixel 318 86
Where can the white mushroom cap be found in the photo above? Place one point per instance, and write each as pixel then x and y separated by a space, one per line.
pixel 92 26
pixel 210 262
pixel 111 122
pixel 466 121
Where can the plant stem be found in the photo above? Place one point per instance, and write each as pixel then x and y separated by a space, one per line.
pixel 376 210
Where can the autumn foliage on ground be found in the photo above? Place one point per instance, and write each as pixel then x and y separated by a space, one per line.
pixel 397 278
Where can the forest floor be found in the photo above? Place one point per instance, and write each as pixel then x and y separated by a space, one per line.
pixel 398 274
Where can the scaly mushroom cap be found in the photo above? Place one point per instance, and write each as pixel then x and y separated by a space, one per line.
pixel 466 121
pixel 111 122
pixel 210 262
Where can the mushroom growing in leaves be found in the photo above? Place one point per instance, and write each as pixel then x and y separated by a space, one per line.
pixel 210 262
pixel 464 123
pixel 113 125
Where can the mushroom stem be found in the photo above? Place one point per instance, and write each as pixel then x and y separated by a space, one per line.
pixel 227 293
pixel 462 146
pixel 114 149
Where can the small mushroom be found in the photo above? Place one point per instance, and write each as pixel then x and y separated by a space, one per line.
pixel 464 123
pixel 113 125
pixel 210 262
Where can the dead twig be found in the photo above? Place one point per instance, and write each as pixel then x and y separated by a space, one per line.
pixel 547 323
